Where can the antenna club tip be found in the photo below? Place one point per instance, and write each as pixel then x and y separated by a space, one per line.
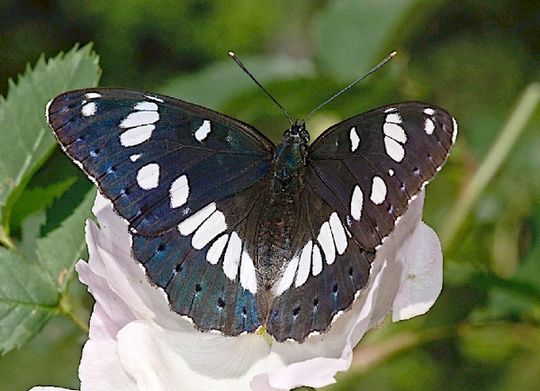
pixel 231 54
pixel 393 54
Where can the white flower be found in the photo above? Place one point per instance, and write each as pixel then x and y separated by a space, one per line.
pixel 137 343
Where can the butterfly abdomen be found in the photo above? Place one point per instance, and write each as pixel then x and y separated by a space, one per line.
pixel 280 218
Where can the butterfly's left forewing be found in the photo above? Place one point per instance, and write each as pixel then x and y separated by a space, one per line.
pixel 362 175
pixel 183 177
pixel 371 166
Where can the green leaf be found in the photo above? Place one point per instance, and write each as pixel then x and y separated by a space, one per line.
pixel 218 83
pixel 351 35
pixel 26 139
pixel 38 198
pixel 30 232
pixel 27 300
pixel 62 247
pixel 31 293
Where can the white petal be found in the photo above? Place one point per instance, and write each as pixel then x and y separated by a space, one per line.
pixel 421 279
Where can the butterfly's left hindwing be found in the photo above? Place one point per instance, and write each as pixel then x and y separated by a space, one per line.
pixel 183 177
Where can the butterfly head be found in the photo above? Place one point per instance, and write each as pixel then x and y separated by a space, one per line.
pixel 296 134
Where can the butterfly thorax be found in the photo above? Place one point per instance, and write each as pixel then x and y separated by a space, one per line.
pixel 289 160
pixel 279 218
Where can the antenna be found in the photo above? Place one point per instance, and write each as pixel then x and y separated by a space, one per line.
pixel 242 66
pixel 373 70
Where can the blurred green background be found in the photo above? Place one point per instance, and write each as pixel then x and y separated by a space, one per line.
pixel 478 59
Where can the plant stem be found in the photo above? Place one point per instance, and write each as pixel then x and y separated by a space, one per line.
pixel 67 309
pixel 510 133
pixel 6 240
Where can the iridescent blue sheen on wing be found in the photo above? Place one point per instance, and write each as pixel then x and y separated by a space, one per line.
pixel 240 157
pixel 160 161
pixel 194 287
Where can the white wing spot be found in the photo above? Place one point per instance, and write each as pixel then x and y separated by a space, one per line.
pixel 317 260
pixel 203 131
pixel 216 249
pixel 232 256
pixel 338 232
pixel 394 118
pixel 429 126
pixel 92 95
pixel 211 228
pixel 354 138
pixel 357 202
pixel 136 136
pixel 138 118
pixel 390 110
pixel 154 98
pixel 395 131
pixel 287 278
pixel 179 191
pixel 378 190
pixel 150 106
pixel 394 149
pixel 248 276
pixel 454 130
pixel 305 265
pixel 327 243
pixel 89 109
pixel 390 172
pixel 148 176
pixel 190 224
pixel 429 111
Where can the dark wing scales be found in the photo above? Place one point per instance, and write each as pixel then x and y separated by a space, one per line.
pixel 199 288
pixel 318 289
pixel 363 173
pixel 184 177
pixel 398 150
pixel 236 151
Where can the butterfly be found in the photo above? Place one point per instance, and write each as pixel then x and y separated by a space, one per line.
pixel 238 232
